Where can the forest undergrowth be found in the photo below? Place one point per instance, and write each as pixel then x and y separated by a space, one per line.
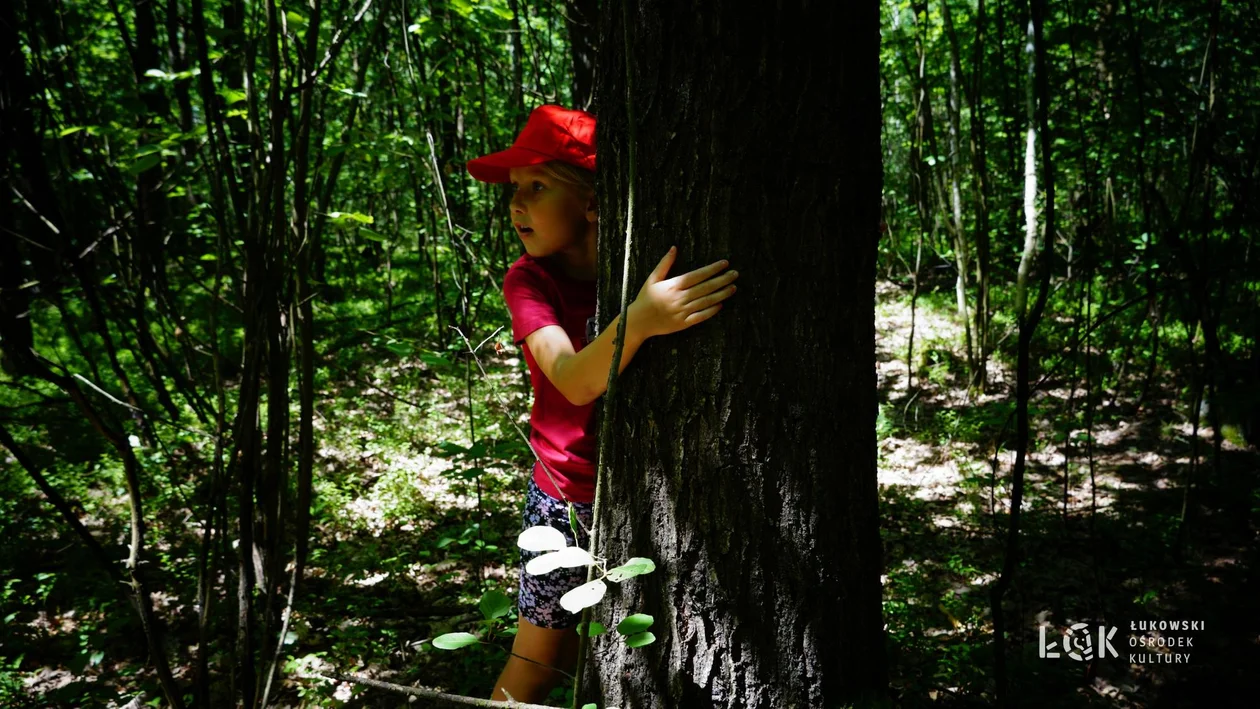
pixel 1099 536
pixel 420 472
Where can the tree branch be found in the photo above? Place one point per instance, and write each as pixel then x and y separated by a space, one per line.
pixel 439 698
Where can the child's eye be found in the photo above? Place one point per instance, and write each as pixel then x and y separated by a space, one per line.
pixel 537 185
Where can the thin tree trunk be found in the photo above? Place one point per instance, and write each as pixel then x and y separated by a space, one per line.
pixel 914 303
pixel 962 250
pixel 920 174
pixel 1038 108
pixel 274 236
pixel 579 21
pixel 980 176
pixel 1144 185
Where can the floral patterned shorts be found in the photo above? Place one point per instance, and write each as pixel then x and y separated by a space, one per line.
pixel 539 599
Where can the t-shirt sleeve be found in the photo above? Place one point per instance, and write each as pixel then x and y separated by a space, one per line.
pixel 526 296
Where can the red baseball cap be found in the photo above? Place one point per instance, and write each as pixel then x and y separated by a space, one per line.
pixel 551 133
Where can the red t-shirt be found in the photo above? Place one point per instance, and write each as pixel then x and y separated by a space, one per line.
pixel 539 293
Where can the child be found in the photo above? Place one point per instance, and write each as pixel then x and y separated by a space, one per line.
pixel 550 292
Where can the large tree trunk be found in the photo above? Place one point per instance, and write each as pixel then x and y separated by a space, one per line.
pixel 742 458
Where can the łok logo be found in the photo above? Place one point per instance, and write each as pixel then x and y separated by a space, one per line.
pixel 1078 643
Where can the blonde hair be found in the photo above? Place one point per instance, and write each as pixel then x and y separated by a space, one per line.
pixel 581 180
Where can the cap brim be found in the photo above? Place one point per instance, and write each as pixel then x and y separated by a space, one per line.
pixel 495 166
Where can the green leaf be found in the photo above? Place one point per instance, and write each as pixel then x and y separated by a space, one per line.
pixel 372 234
pixel 434 360
pixel 144 162
pixel 96 657
pixel 209 257
pixel 448 448
pixel 336 150
pixel 454 641
pixel 232 96
pixel 72 130
pixel 635 624
pixel 592 705
pixel 402 349
pixel 295 19
pixel 594 630
pixel 352 92
pixel 494 604
pixel 347 217
pixel 635 567
pixel 640 639
pixel 466 473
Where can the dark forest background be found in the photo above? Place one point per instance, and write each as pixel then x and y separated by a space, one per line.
pixel 244 275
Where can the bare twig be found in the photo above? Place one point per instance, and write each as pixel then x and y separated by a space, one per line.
pixel 431 694
pixel 334 48
pixel 473 351
pixel 103 393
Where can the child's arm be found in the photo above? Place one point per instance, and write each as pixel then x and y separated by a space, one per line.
pixel 662 307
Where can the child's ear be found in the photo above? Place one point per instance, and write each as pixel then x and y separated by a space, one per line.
pixel 592 210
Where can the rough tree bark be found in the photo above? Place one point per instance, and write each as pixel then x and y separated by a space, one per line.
pixel 742 459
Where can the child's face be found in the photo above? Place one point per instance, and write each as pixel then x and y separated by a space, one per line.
pixel 553 210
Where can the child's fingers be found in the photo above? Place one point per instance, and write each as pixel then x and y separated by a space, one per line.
pixel 698 291
pixel 700 275
pixel 663 267
pixel 701 315
pixel 711 299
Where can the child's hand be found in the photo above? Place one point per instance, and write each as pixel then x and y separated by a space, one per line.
pixel 667 306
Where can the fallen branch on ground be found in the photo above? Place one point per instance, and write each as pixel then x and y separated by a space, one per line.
pixel 432 694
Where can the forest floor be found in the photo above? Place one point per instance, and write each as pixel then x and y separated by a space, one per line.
pixel 413 525
pixel 1100 531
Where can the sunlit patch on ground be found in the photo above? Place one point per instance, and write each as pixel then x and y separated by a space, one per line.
pixel 944 471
